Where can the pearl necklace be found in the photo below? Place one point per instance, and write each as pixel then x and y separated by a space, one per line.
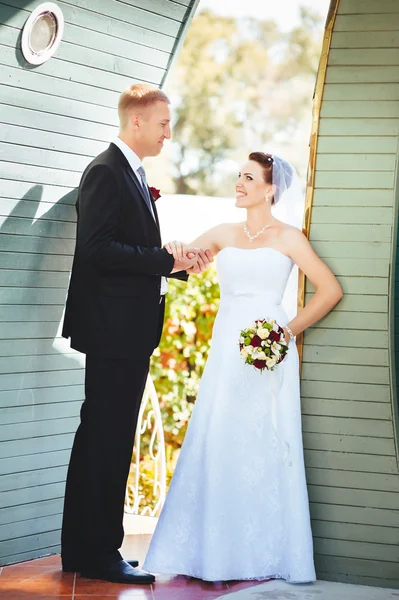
pixel 257 234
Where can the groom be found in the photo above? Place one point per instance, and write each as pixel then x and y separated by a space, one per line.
pixel 114 314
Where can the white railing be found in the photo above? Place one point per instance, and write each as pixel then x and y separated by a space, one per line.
pixel 149 420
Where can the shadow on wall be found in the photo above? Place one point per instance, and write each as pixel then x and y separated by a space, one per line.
pixel 42 379
pixel 39 239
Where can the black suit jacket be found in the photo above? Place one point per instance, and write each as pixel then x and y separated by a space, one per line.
pixel 113 307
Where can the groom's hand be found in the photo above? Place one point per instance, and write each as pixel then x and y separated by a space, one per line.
pixel 204 259
pixel 199 260
pixel 184 257
pixel 187 261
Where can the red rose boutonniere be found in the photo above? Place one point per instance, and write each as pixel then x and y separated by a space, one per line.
pixel 155 193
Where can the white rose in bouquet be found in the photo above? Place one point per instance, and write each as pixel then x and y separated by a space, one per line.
pixel 262 333
pixel 256 342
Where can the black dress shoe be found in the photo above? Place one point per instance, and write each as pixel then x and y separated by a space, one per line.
pixel 118 572
pixel 71 566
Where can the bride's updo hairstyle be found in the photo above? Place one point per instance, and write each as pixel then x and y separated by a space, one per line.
pixel 276 171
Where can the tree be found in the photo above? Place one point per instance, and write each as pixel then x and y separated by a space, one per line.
pixel 240 85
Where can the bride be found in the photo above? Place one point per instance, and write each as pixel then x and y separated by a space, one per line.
pixel 237 507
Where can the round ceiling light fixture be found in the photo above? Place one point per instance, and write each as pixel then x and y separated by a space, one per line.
pixel 42 33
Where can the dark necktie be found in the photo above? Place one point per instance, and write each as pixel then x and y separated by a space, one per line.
pixel 146 192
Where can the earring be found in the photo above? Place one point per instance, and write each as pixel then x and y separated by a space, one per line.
pixel 267 198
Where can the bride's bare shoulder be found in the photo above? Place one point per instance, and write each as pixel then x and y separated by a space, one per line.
pixel 288 232
pixel 289 238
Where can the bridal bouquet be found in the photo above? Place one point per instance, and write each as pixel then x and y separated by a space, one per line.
pixel 263 344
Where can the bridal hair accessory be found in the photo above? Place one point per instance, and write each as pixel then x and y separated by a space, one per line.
pixel 283 176
pixel 263 345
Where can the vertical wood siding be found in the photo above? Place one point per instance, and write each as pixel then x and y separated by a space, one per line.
pixel 54 119
pixel 348 419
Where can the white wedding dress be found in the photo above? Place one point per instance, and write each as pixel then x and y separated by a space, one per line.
pixel 237 507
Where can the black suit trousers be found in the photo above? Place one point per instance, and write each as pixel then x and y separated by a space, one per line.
pixel 100 460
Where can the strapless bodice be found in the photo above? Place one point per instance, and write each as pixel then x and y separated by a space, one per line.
pixel 253 272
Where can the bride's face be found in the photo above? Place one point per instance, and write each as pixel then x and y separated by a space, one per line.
pixel 251 188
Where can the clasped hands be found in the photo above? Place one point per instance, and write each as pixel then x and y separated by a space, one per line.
pixel 192 260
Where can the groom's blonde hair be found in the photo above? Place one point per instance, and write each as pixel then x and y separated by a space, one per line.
pixel 136 98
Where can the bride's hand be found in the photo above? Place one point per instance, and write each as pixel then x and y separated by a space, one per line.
pixel 204 258
pixel 178 249
pixel 287 336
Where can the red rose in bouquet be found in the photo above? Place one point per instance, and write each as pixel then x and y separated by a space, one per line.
pixel 274 336
pixel 263 344
pixel 256 341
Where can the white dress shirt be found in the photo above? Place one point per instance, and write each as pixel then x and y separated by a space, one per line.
pixel 135 164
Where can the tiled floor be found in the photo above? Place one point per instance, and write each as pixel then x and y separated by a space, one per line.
pixel 42 579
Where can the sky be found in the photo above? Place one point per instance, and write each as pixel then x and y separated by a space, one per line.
pixel 284 12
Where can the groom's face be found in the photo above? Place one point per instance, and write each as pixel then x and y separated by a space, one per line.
pixel 154 128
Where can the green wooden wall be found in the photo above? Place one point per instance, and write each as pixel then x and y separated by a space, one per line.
pixel 54 119
pixel 348 400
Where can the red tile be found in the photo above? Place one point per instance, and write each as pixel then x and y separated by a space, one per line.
pixel 183 581
pixel 53 560
pixel 48 561
pixel 22 571
pixel 97 587
pixel 28 581
pixel 26 595
pixel 127 594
